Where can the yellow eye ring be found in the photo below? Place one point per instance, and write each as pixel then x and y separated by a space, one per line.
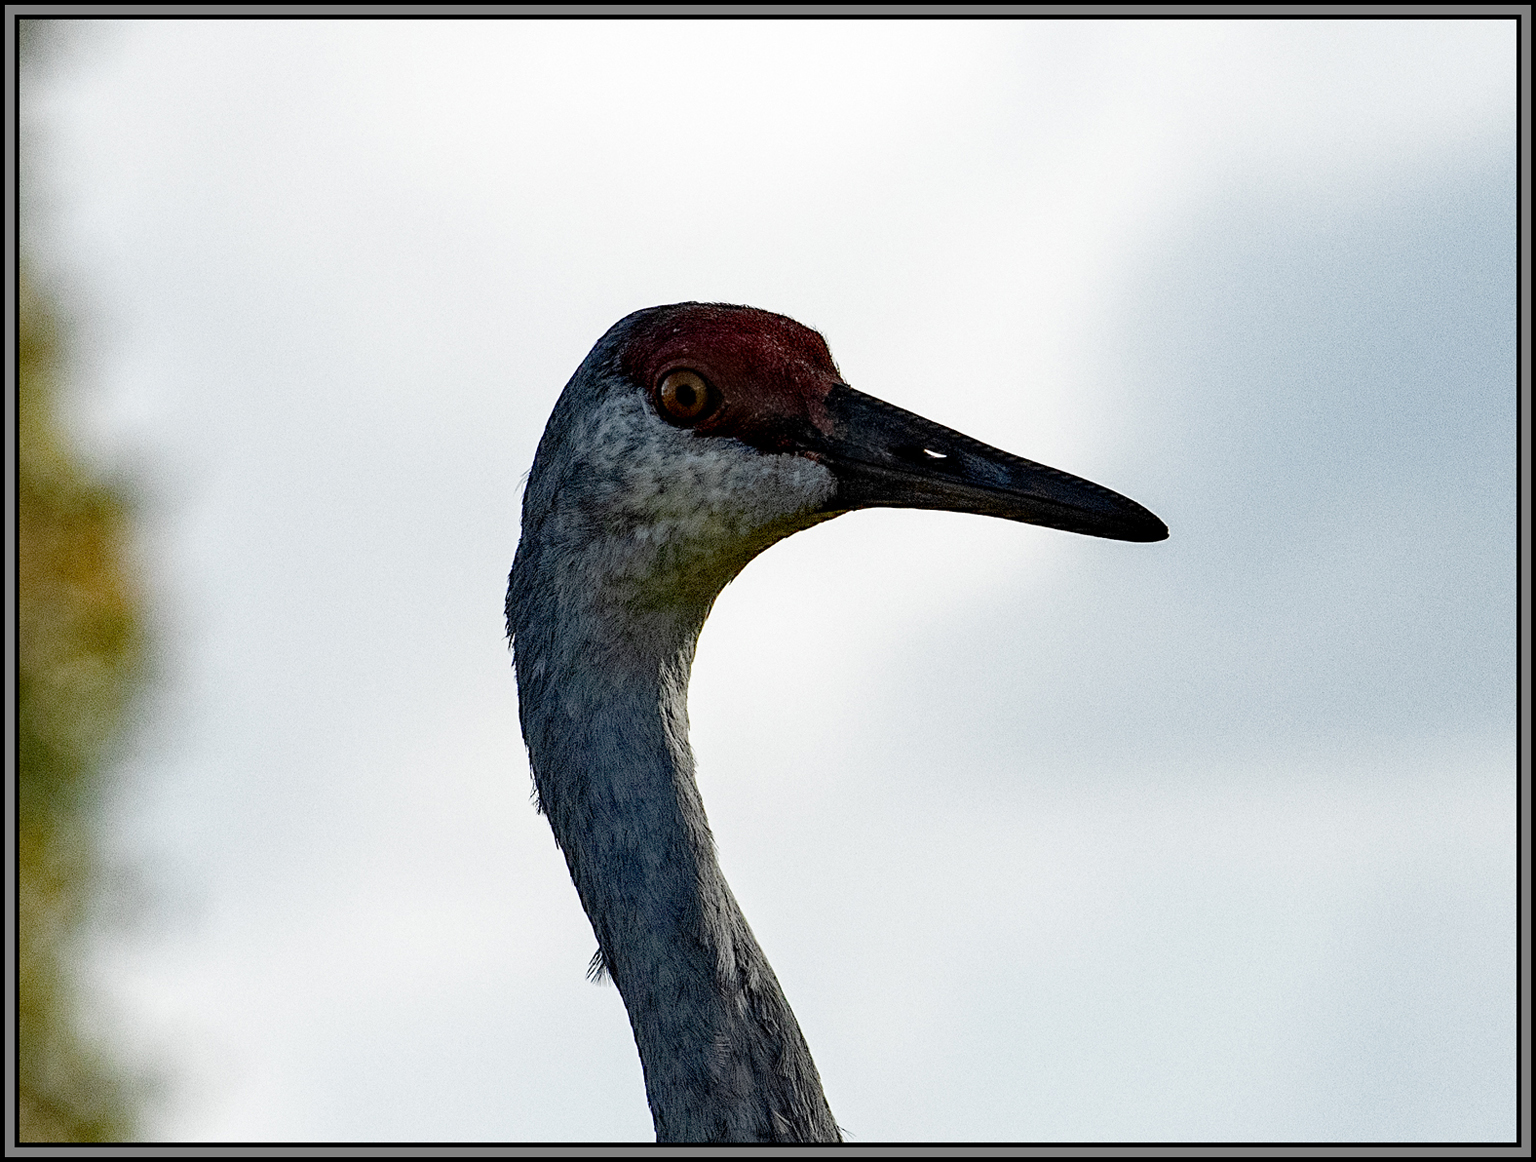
pixel 684 397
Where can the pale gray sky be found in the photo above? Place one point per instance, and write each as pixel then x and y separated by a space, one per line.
pixel 1047 838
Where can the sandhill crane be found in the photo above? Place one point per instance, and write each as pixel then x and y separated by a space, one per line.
pixel 691 438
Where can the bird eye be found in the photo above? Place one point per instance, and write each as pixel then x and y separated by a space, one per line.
pixel 684 398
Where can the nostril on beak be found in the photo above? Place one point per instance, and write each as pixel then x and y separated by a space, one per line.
pixel 930 459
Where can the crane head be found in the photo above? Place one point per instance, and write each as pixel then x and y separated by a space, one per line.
pixel 726 372
pixel 695 435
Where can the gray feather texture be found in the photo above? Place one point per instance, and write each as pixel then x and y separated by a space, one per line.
pixel 631 528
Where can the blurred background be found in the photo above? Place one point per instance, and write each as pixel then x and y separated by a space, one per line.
pixel 1047 838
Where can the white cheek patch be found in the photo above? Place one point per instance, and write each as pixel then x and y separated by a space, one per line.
pixel 676 505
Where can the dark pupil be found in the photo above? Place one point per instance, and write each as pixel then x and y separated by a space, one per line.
pixel 685 396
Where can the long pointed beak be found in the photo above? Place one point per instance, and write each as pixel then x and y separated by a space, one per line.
pixel 886 457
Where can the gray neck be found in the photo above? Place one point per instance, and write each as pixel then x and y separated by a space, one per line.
pixel 606 722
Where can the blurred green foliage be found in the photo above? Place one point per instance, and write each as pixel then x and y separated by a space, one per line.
pixel 79 650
